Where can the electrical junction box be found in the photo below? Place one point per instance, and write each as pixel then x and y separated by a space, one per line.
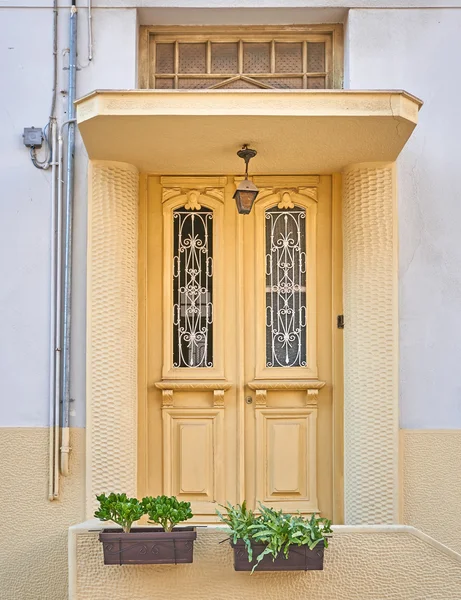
pixel 33 137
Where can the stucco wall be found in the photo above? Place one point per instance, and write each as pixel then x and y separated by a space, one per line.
pixel 432 483
pixel 33 546
pixel 366 565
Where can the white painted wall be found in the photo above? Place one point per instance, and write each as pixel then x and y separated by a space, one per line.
pixel 420 51
pixel 26 76
pixel 24 220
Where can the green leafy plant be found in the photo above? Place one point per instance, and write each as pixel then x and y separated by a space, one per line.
pixel 276 530
pixel 239 519
pixel 166 511
pixel 120 509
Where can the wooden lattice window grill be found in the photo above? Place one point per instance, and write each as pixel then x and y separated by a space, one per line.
pixel 252 58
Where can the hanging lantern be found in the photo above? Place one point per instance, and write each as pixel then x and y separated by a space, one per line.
pixel 246 192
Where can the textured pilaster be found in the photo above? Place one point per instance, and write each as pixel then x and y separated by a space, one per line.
pixel 370 346
pixel 112 329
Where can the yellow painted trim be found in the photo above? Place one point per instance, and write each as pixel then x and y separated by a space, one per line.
pixel 337 350
pixel 143 412
pixel 334 103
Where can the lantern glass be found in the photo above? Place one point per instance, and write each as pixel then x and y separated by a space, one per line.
pixel 244 196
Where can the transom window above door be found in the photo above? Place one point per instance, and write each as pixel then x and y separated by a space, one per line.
pixel 253 58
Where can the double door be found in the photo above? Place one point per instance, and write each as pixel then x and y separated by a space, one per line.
pixel 236 332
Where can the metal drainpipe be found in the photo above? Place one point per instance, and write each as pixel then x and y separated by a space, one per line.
pixel 67 274
pixel 53 483
pixel 53 486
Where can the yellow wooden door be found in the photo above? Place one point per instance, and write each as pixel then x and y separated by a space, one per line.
pixel 236 344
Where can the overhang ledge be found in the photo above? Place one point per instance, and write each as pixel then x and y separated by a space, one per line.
pixel 198 132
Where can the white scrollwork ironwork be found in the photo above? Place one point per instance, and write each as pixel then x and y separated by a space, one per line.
pixel 193 288
pixel 286 287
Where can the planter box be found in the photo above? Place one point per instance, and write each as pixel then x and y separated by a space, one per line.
pixel 148 546
pixel 300 558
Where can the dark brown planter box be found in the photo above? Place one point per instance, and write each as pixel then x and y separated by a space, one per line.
pixel 148 546
pixel 300 558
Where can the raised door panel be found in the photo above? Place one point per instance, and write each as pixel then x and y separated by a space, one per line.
pixel 286 458
pixel 193 457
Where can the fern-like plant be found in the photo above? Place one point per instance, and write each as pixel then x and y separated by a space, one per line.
pixel 276 530
pixel 239 519
pixel 166 511
pixel 120 509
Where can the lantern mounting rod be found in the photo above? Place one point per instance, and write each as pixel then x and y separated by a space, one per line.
pixel 246 154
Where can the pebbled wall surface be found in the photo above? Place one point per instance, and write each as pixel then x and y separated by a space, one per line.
pixel 365 566
pixel 432 483
pixel 112 329
pixel 33 548
pixel 370 346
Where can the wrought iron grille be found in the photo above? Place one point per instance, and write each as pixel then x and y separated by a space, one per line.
pixel 286 287
pixel 193 288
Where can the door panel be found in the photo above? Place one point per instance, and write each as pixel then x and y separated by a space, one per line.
pixel 250 415
pixel 304 391
pixel 285 442
pixel 193 456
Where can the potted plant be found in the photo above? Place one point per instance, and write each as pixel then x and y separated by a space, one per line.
pixel 145 545
pixel 274 541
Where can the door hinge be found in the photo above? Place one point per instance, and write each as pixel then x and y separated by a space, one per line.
pixel 340 321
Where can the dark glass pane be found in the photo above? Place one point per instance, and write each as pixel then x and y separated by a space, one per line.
pixel 164 58
pixel 192 58
pixel 286 287
pixel 193 288
pixel 315 57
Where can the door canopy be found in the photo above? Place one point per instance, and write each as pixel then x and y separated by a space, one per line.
pixel 296 131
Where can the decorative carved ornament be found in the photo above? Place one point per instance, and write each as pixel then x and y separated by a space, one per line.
pixel 286 201
pixel 168 388
pixel 167 398
pixel 261 398
pixel 287 196
pixel 193 385
pixel 193 198
pixel 218 398
pixel 261 388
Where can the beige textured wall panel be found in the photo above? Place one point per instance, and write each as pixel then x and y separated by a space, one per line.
pixel 386 566
pixel 432 484
pixel 33 545
pixel 112 330
pixel 370 346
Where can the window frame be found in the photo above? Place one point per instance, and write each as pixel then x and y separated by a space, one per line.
pixel 183 218
pixel 305 197
pixel 176 194
pixel 277 298
pixel 331 34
